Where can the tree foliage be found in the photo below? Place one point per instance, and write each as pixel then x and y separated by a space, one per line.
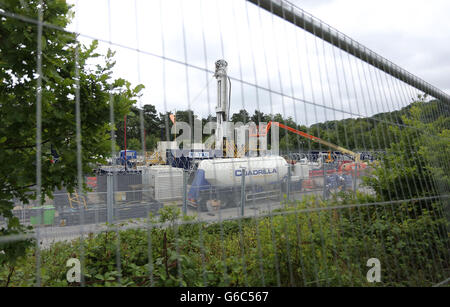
pixel 416 163
pixel 373 133
pixel 61 55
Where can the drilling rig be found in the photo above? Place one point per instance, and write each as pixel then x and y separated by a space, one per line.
pixel 223 103
pixel 217 182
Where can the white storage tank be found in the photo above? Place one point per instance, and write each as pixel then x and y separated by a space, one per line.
pixel 258 170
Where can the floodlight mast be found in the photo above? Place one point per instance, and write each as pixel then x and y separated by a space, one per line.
pixel 222 101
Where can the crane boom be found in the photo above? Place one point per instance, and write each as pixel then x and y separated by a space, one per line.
pixel 316 139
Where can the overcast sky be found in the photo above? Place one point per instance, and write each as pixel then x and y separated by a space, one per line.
pixel 284 69
pixel 414 34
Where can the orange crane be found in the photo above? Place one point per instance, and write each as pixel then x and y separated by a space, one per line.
pixel 317 140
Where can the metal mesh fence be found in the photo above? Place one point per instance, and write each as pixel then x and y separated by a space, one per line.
pixel 304 163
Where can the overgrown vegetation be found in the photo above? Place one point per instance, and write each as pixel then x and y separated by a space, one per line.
pixel 296 246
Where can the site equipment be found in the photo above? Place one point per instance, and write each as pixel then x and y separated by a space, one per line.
pixel 356 156
pixel 217 182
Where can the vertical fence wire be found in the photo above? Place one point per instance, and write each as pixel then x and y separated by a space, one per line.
pixel 39 135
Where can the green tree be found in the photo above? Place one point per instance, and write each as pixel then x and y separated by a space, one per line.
pixel 18 92
pixel 416 164
pixel 132 125
pixel 134 144
pixel 150 121
pixel 242 116
pixel 151 142
pixel 260 117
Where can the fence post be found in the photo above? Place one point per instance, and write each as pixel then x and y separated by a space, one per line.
pixel 288 192
pixel 324 180
pixel 109 198
pixel 243 191
pixel 185 191
pixel 356 178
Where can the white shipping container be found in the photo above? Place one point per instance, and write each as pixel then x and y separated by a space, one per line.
pixel 166 182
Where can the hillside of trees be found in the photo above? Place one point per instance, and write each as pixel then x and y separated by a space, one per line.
pixel 360 134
